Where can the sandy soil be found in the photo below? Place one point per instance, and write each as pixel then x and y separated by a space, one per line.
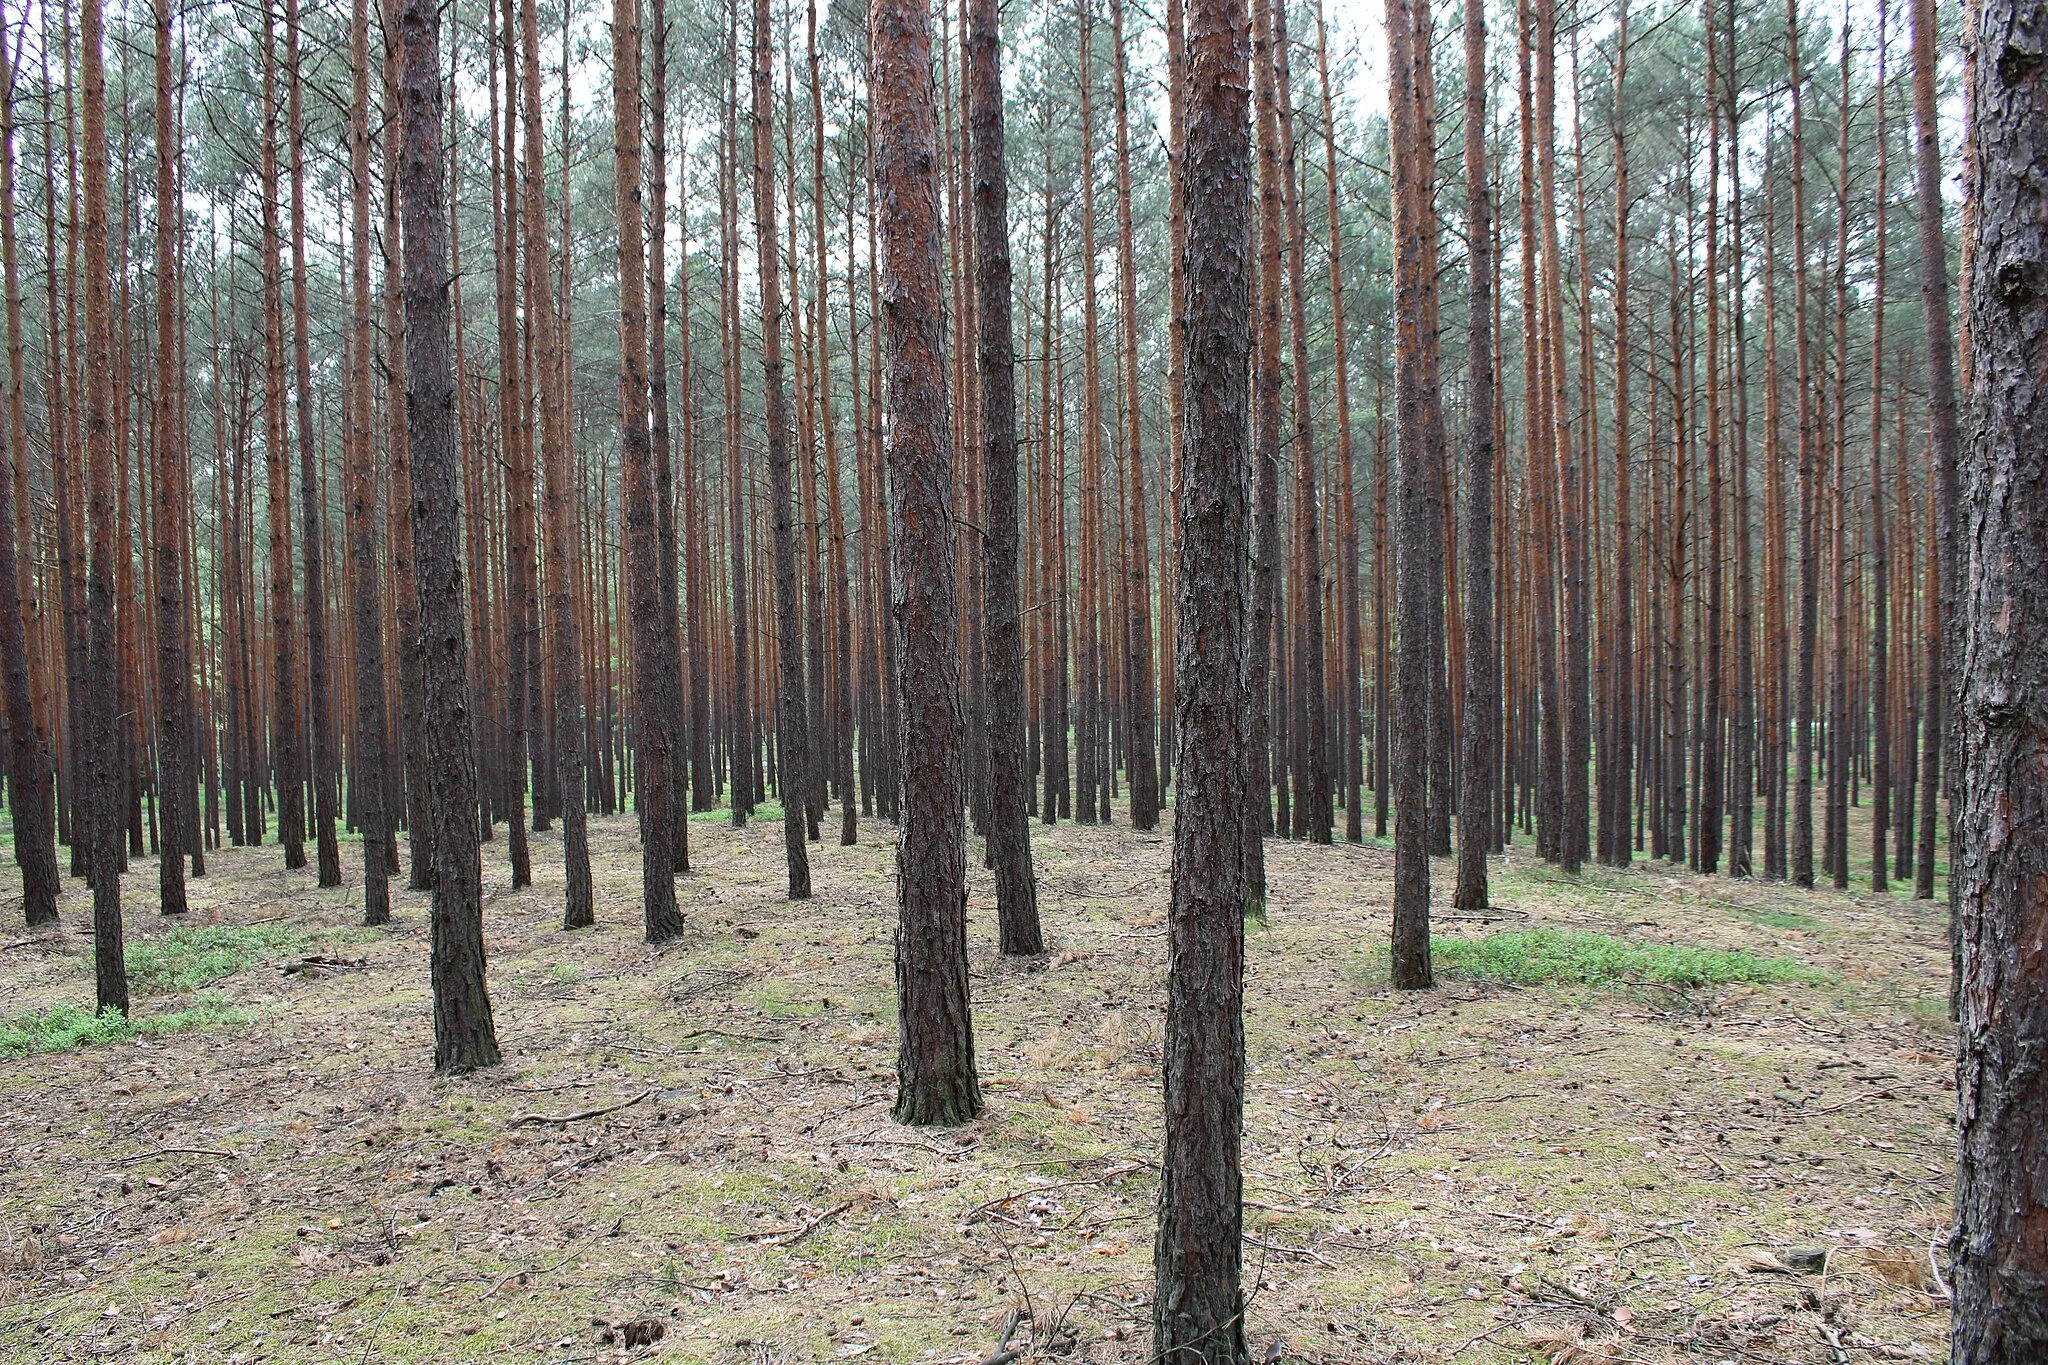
pixel 1478 1172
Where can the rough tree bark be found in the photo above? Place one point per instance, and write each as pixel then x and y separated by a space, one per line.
pixel 313 549
pixel 173 513
pixel 1482 687
pixel 936 1083
pixel 792 737
pixel 366 581
pixel 1198 1305
pixel 558 498
pixel 655 766
pixel 1419 484
pixel 1008 830
pixel 464 1038
pixel 103 778
pixel 2000 877
pixel 29 756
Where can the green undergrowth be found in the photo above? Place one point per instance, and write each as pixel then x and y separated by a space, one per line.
pixel 188 956
pixel 1534 957
pixel 722 813
pixel 63 1027
pixel 1773 917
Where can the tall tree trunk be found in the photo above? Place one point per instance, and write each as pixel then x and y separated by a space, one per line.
pixel 1142 759
pixel 29 756
pixel 1618 736
pixel 1482 686
pixel 372 743
pixel 792 740
pixel 655 762
pixel 1260 613
pixel 1351 699
pixel 936 1081
pixel 313 555
pixel 1809 601
pixel 1943 445
pixel 172 511
pixel 1880 551
pixel 1198 1305
pixel 559 499
pixel 1311 708
pixel 102 760
pixel 1999 881
pixel 669 679
pixel 1419 506
pixel 287 732
pixel 464 1038
pixel 1008 830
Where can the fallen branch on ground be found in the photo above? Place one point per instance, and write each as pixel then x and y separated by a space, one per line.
pixel 578 1117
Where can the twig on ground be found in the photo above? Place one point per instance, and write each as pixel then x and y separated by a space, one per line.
pixel 721 1033
pixel 581 1115
pixel 789 1237
pixel 177 1151
pixel 531 1274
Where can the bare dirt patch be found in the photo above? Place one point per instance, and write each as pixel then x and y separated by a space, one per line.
pixel 688 1152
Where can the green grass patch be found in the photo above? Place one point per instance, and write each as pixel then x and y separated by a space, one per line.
pixel 1772 917
pixel 63 1027
pixel 722 813
pixel 186 957
pixel 1534 957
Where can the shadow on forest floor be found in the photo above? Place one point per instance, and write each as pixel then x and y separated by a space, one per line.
pixel 1603 1165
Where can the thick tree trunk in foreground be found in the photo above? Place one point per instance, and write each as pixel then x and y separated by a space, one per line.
pixel 935 1057
pixel 792 737
pixel 2000 868
pixel 464 1038
pixel 1198 1305
pixel 1008 831
pixel 172 514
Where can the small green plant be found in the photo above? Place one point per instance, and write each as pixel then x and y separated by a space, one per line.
pixel 1532 957
pixel 564 972
pixel 187 957
pixel 62 1027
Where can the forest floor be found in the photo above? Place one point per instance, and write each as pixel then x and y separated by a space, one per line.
pixel 1738 1154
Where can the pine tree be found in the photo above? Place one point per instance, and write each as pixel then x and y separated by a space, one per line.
pixel 1008 828
pixel 936 1081
pixel 464 1038
pixel 1198 1302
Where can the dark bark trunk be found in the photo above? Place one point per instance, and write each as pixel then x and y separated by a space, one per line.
pixel 102 760
pixel 1482 687
pixel 173 512
pixel 654 761
pixel 1999 878
pixel 464 1039
pixel 1419 488
pixel 792 738
pixel 935 1059
pixel 366 589
pixel 1008 830
pixel 1198 1304
pixel 313 551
